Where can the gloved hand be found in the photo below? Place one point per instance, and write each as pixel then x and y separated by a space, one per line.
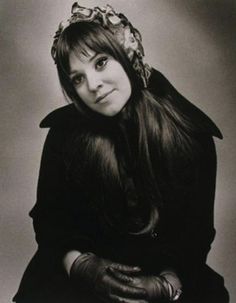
pixel 96 273
pixel 157 287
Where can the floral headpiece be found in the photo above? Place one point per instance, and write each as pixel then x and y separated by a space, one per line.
pixel 128 36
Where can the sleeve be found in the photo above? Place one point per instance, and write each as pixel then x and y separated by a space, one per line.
pixel 61 218
pixel 189 238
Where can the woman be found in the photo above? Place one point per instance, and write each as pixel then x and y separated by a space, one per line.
pixel 124 208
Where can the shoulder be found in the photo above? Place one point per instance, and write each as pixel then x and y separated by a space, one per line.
pixel 160 86
pixel 65 117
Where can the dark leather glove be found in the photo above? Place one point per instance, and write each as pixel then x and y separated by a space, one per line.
pixel 157 287
pixel 96 273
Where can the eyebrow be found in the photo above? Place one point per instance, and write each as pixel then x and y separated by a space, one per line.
pixel 90 59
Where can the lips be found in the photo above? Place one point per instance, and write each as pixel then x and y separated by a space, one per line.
pixel 100 98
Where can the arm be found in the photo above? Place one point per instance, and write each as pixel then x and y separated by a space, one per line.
pixel 190 236
pixel 66 232
pixel 186 235
pixel 189 239
pixel 59 227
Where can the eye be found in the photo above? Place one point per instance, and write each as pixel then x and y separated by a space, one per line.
pixel 77 79
pixel 101 62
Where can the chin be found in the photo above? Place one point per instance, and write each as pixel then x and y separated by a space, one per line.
pixel 111 112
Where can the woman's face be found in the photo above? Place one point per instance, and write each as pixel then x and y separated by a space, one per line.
pixel 100 81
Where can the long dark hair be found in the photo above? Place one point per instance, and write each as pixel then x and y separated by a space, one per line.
pixel 143 140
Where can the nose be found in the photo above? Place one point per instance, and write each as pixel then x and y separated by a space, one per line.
pixel 94 81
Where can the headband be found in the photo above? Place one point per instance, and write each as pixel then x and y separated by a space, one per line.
pixel 128 37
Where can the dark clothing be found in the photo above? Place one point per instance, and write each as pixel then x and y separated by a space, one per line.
pixel 64 219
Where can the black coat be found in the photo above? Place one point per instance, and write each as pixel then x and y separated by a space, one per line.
pixel 63 219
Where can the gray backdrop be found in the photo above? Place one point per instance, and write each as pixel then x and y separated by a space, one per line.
pixel 191 41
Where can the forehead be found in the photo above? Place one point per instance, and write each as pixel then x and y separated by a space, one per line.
pixel 78 59
pixel 83 55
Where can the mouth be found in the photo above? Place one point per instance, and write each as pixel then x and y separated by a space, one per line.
pixel 99 99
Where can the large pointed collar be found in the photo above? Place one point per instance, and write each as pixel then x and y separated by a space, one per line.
pixel 160 86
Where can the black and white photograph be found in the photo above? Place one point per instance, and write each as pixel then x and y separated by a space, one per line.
pixel 118 151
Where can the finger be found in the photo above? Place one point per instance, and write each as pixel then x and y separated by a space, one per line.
pixel 120 276
pixel 125 268
pixel 116 287
pixel 118 299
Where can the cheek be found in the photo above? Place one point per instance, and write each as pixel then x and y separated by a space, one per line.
pixel 83 95
pixel 126 86
pixel 122 81
pixel 118 74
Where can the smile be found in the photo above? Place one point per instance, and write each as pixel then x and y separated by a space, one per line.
pixel 99 99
